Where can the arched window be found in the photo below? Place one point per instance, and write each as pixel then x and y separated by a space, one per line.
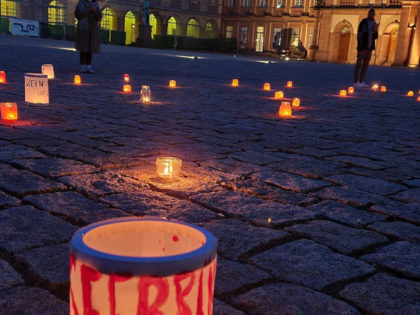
pixel 55 12
pixel 208 30
pixel 109 20
pixel 193 28
pixel 10 8
pixel 130 28
pixel 171 26
pixel 153 24
pixel 345 30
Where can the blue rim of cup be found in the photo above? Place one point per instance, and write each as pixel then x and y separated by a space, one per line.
pixel 137 266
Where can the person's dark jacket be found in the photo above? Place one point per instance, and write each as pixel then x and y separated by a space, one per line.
pixel 88 30
pixel 363 36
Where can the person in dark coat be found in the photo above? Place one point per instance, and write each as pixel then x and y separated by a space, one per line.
pixel 367 33
pixel 88 16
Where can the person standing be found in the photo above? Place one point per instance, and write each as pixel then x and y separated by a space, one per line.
pixel 88 15
pixel 367 33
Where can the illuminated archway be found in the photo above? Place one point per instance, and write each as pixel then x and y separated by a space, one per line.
pixel 10 8
pixel 109 20
pixel 55 12
pixel 209 30
pixel 392 31
pixel 171 30
pixel 193 28
pixel 153 23
pixel 130 28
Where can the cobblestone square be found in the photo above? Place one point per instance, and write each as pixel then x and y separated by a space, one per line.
pixel 315 214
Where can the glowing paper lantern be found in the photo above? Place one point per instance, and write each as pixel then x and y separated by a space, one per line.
pixel 410 93
pixel 343 93
pixel 235 82
pixel 2 77
pixel 142 266
pixel 145 94
pixel 36 88
pixel 296 102
pixel 48 70
pixel 375 87
pixel 383 88
pixel 172 83
pixel 278 95
pixel 126 78
pixel 418 98
pixel 289 84
pixel 266 87
pixel 285 109
pixel 350 90
pixel 9 112
pixel 127 88
pixel 168 167
pixel 77 79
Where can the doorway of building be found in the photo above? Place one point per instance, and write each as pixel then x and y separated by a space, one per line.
pixel 344 44
pixel 392 44
pixel 259 47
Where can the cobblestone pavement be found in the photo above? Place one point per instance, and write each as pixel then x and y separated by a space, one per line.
pixel 316 214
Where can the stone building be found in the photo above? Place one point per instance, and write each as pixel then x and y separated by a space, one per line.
pixel 195 18
pixel 327 29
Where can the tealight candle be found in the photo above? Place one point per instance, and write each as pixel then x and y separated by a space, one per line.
pixel 48 70
pixel 2 77
pixel 235 82
pixel 343 93
pixel 168 167
pixel 9 112
pixel 172 83
pixel 289 84
pixel 266 86
pixel 410 93
pixel 126 78
pixel 77 79
pixel 127 88
pixel 383 88
pixel 350 90
pixel 296 102
pixel 145 94
pixel 375 87
pixel 285 109
pixel 278 95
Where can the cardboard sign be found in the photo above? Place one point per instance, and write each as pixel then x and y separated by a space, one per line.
pixel 36 88
pixel 24 27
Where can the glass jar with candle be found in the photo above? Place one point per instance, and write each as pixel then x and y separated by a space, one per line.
pixel 145 94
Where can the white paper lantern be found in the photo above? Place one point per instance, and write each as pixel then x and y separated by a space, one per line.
pixel 36 88
pixel 48 70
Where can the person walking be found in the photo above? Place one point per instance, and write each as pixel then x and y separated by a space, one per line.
pixel 88 14
pixel 367 33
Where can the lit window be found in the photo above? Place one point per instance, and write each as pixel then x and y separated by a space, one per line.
pixel 10 8
pixel 277 37
pixel 109 21
pixel 280 4
pixel 55 13
pixel 193 28
pixel 229 31
pixel 262 3
pixel 295 37
pixel 171 26
pixel 153 24
pixel 299 3
pixel 208 30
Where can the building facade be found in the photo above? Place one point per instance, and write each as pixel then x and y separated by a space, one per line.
pixel 326 29
pixel 195 18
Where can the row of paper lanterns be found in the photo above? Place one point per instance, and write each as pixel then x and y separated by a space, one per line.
pixel 36 91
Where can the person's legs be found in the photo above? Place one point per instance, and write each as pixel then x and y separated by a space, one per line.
pixel 89 58
pixel 365 65
pixel 358 65
pixel 89 63
pixel 83 61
